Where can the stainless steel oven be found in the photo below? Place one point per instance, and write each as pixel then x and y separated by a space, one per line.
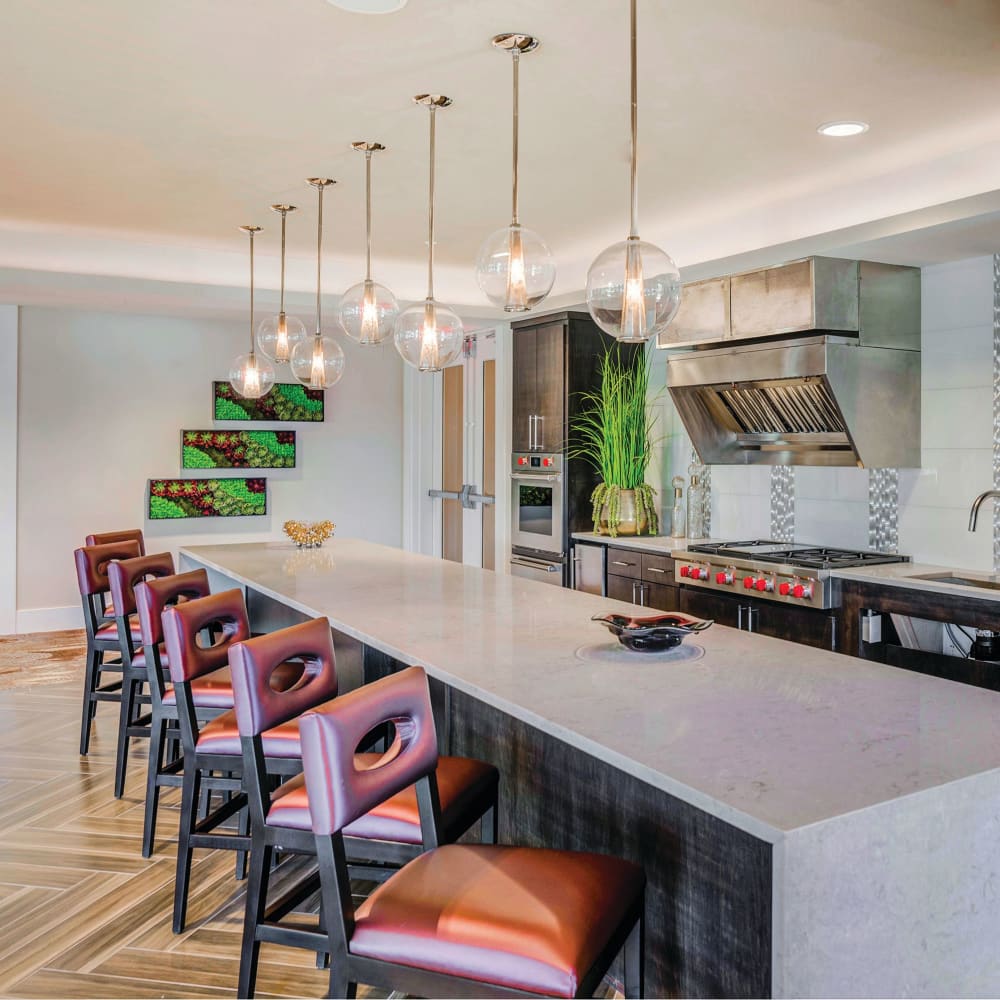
pixel 541 568
pixel 537 514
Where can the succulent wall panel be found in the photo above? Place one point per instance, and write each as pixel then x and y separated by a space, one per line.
pixel 287 401
pixel 176 498
pixel 237 449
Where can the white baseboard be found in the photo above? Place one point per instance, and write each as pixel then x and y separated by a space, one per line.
pixel 49 619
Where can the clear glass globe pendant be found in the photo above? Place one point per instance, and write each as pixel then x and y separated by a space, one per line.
pixel 368 310
pixel 318 362
pixel 633 287
pixel 514 267
pixel 251 375
pixel 429 335
pixel 278 335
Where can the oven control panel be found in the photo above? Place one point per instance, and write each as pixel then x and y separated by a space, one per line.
pixel 784 584
pixel 537 464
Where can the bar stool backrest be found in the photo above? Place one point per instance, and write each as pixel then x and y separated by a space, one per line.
pixel 338 792
pixel 259 706
pixel 225 613
pixel 106 537
pixel 124 575
pixel 152 597
pixel 92 576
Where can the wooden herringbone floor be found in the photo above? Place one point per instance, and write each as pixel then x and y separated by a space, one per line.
pixel 82 913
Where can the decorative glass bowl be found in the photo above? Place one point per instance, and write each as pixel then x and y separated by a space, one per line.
pixel 654 633
pixel 309 536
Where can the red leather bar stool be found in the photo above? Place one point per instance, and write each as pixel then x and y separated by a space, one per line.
pixel 460 920
pixel 112 537
pixel 123 577
pixel 377 843
pixel 102 635
pixel 208 749
pixel 211 693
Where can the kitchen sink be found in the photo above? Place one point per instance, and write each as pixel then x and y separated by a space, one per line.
pixel 956 579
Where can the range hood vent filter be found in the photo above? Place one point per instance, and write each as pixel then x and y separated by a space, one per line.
pixel 791 406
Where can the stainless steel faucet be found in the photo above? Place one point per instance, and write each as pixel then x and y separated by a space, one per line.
pixel 977 503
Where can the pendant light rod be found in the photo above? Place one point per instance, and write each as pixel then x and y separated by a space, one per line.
pixel 432 102
pixel 634 82
pixel 321 184
pixel 515 43
pixel 368 148
pixel 252 231
pixel 283 211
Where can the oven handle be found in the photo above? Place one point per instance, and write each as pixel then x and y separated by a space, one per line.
pixel 538 477
pixel 546 567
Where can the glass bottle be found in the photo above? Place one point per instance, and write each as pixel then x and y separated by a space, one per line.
pixel 696 508
pixel 678 522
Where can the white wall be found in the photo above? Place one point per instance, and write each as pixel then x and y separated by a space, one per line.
pixel 831 505
pixel 8 462
pixel 102 401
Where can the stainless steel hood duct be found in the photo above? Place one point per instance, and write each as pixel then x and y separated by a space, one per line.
pixel 778 388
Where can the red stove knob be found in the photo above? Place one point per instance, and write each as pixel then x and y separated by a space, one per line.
pixel 699 573
pixel 784 588
pixel 748 583
pixel 685 570
pixel 546 461
pixel 802 591
pixel 723 577
pixel 763 584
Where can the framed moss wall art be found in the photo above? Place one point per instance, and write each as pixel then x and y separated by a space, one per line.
pixel 237 449
pixel 178 498
pixel 287 401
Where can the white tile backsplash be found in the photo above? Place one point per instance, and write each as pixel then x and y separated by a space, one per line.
pixel 957 441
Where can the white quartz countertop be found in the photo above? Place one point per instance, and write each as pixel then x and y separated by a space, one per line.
pixel 765 734
pixel 912 576
pixel 659 544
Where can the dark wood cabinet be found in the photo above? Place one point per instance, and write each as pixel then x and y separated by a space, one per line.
pixel 525 390
pixel 642 578
pixel 782 621
pixel 880 601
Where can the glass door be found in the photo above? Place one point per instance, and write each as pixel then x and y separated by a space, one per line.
pixel 468 455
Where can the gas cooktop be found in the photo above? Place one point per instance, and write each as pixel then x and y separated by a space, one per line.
pixel 811 556
pixel 774 570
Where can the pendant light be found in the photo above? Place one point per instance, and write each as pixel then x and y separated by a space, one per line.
pixel 515 268
pixel 251 375
pixel 277 336
pixel 429 335
pixel 368 310
pixel 318 361
pixel 633 288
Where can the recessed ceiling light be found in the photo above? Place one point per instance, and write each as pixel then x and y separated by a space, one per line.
pixel 369 6
pixel 841 129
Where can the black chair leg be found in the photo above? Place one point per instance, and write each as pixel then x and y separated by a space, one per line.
pixel 241 856
pixel 189 800
pixel 125 716
pixel 634 962
pixel 260 872
pixel 94 660
pixel 157 731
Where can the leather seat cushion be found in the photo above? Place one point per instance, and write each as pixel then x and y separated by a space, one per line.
pixel 222 736
pixel 109 632
pixel 520 917
pixel 215 690
pixel 461 781
pixel 139 656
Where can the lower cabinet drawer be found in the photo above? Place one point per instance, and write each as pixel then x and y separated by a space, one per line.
pixel 656 596
pixel 624 562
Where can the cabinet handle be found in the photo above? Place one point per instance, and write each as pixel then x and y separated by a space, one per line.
pixel 751 611
pixel 832 622
pixel 653 569
pixel 619 562
pixel 739 617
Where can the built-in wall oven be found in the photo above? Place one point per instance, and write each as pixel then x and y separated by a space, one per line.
pixel 537 517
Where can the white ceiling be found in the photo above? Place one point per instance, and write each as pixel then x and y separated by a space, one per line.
pixel 138 134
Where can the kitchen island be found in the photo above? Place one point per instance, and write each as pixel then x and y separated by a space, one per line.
pixel 811 824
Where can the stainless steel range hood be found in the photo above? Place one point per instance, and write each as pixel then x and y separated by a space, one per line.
pixel 816 363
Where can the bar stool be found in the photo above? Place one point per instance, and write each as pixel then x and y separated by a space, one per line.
pixel 122 578
pixel 460 920
pixel 204 752
pixel 102 635
pixel 211 694
pixel 378 843
pixel 109 537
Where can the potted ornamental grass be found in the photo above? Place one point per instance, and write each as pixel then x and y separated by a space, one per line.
pixel 613 432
